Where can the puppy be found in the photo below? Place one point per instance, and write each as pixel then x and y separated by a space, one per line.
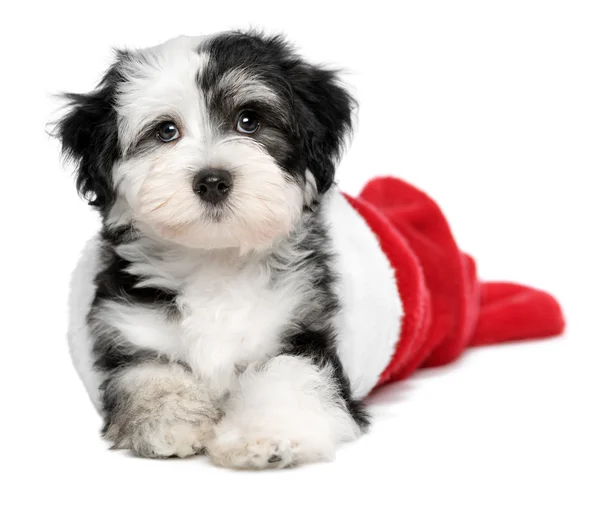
pixel 224 306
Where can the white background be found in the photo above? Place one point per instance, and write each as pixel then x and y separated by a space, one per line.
pixel 491 107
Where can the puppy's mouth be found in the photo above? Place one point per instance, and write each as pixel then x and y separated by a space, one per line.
pixel 216 213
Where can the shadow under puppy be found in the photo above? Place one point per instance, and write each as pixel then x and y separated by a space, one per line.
pixel 235 301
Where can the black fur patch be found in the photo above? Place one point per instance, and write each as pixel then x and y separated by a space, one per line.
pixel 313 336
pixel 89 136
pixel 110 356
pixel 318 112
pixel 319 347
pixel 113 282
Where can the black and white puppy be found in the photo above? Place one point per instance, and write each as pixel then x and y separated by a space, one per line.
pixel 218 307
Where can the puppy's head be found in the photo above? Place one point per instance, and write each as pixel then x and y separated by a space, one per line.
pixel 208 142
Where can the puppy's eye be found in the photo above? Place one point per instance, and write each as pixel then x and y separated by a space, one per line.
pixel 167 131
pixel 248 122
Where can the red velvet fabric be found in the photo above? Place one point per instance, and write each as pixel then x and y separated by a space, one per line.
pixel 446 308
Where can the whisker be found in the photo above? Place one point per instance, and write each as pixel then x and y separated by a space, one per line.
pixel 162 204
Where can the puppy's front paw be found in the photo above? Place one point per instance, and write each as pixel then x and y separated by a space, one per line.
pixel 152 437
pixel 263 447
pixel 252 451
pixel 286 412
pixel 158 411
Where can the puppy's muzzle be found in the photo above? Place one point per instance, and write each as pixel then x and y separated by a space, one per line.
pixel 213 185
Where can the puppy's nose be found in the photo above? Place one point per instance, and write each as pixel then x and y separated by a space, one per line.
pixel 212 185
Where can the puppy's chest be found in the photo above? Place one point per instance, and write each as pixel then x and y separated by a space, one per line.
pixel 229 316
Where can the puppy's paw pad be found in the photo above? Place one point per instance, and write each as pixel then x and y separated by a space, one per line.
pixel 164 440
pixel 253 453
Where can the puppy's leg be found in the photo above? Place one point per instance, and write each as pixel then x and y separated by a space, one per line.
pixel 287 411
pixel 158 410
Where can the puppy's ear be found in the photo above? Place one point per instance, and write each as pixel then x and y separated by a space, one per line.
pixel 88 133
pixel 324 108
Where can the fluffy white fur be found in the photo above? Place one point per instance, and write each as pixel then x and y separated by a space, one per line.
pixel 283 412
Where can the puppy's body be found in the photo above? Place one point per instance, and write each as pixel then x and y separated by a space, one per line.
pixel 225 317
pixel 225 303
